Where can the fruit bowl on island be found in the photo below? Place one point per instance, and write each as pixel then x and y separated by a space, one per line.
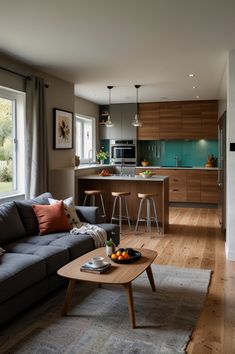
pixel 146 174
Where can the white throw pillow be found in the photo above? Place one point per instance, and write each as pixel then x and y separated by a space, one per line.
pixel 70 210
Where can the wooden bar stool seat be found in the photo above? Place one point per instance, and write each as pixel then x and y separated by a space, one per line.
pixel 92 194
pixel 147 198
pixel 120 197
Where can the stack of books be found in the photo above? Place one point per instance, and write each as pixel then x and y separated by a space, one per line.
pixel 91 268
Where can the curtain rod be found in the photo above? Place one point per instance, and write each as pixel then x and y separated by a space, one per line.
pixel 16 73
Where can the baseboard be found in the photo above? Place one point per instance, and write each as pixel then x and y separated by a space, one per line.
pixel 193 205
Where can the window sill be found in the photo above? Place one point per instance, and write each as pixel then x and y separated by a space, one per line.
pixel 12 197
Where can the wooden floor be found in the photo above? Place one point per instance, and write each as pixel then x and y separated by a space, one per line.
pixel 195 241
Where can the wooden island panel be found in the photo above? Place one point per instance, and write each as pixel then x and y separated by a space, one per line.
pixel 134 186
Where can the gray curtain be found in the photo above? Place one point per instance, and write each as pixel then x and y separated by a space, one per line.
pixel 36 148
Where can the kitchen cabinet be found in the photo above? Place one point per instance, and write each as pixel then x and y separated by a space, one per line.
pixel 179 120
pixel 122 116
pixel 193 178
pixel 209 186
pixel 186 185
pixel 149 116
pixel 170 120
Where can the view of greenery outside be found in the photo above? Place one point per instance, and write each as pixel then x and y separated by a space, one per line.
pixel 5 145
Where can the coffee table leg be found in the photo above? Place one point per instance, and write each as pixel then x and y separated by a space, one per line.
pixel 68 297
pixel 150 276
pixel 130 304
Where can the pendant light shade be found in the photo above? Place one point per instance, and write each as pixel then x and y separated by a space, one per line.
pixel 109 122
pixel 136 121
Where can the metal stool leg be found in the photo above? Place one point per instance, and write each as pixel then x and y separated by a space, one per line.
pixel 114 206
pixel 102 203
pixel 155 215
pixel 120 214
pixel 84 203
pixel 139 212
pixel 148 221
pixel 127 214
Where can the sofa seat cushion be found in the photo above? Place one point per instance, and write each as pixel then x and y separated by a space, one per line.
pixel 76 244
pixel 27 214
pixel 18 272
pixel 55 257
pixel 10 224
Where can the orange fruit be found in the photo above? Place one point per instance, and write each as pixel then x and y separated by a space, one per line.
pixel 126 256
pixel 120 258
pixel 124 253
pixel 114 256
pixel 119 253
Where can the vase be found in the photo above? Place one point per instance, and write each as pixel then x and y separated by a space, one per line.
pixel 110 250
pixel 101 162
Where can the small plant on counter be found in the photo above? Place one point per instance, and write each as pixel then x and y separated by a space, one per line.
pixel 109 243
pixel 102 155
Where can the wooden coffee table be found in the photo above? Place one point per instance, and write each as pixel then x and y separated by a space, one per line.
pixel 118 274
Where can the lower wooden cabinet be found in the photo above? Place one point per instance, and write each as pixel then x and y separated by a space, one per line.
pixel 195 186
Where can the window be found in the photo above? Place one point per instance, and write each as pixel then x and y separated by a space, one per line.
pixel 12 104
pixel 85 138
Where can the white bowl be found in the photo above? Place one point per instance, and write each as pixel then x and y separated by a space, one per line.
pixel 145 176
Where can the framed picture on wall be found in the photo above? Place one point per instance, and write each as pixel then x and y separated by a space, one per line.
pixel 63 129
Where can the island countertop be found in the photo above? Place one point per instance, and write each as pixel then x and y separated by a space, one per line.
pixel 156 185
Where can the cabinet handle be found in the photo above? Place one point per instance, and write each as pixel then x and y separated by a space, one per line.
pixel 175 190
pixel 175 180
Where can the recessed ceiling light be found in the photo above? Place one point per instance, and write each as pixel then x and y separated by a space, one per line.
pixel 191 75
pixel 197 96
pixel 194 87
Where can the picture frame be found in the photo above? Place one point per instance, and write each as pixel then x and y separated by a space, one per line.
pixel 62 129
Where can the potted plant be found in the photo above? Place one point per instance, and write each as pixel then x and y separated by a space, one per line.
pixel 102 155
pixel 110 247
pixel 144 162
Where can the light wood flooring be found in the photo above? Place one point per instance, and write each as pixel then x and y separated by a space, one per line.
pixel 196 241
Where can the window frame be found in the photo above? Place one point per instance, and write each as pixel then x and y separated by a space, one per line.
pixel 18 140
pixel 93 120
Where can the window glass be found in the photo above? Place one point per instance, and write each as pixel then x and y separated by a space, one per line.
pixel 85 138
pixel 11 142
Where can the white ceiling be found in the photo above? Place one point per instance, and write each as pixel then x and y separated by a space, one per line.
pixel 95 43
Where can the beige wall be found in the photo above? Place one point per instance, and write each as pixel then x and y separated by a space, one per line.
pixel 59 94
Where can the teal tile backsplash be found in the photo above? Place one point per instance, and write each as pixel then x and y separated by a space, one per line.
pixel 188 153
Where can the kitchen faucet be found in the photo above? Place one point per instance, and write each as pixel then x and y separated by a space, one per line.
pixel 176 161
pixel 90 156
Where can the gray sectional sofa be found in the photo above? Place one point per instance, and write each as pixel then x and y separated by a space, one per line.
pixel 28 269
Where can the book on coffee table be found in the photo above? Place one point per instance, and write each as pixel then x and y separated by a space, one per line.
pixel 90 268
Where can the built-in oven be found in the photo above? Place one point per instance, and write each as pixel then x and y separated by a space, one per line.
pixel 123 152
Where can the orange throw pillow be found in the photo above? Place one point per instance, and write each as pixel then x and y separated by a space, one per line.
pixel 51 218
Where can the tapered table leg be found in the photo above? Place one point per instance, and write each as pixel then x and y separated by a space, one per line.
pixel 150 276
pixel 68 297
pixel 128 288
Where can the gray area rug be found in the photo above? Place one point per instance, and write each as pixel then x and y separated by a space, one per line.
pixel 98 321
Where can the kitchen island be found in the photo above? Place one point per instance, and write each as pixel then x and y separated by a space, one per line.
pixel 158 185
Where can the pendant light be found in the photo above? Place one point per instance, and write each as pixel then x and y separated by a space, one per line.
pixel 109 123
pixel 136 121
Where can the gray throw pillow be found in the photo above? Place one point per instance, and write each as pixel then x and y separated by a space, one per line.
pixel 11 227
pixel 27 214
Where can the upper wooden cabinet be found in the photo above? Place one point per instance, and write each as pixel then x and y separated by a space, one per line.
pixel 149 116
pixel 170 120
pixel 178 120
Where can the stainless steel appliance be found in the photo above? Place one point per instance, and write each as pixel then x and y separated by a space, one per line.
pixel 123 152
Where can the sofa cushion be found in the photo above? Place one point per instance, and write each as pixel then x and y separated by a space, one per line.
pixel 18 272
pixel 76 244
pixel 27 214
pixel 51 218
pixel 55 257
pixel 11 227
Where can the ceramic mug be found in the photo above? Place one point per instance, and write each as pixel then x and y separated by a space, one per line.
pixel 98 261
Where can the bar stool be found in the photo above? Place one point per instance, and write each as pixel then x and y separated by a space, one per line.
pixel 92 194
pixel 148 198
pixel 121 197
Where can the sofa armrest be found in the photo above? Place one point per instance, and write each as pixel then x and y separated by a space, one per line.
pixel 88 214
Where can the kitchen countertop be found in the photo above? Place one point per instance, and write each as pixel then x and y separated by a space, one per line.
pixel 87 166
pixel 126 177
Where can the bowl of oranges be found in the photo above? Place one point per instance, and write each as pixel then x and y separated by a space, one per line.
pixel 125 255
